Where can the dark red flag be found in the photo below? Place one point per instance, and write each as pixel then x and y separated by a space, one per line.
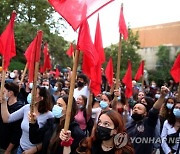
pixel 96 75
pixel 175 70
pixel 70 51
pixel 85 44
pixel 47 60
pixel 122 25
pixel 8 46
pixel 57 73
pixel 127 80
pixel 109 72
pixel 32 54
pixel 76 11
pixel 140 71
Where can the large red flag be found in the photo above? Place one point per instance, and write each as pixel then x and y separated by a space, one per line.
pixel 127 80
pixel 57 73
pixel 85 44
pixel 32 54
pixel 140 71
pixel 8 46
pixel 47 60
pixel 175 70
pixel 76 11
pixel 109 72
pixel 96 76
pixel 122 25
pixel 70 51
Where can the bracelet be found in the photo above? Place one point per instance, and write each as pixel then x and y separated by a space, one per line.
pixel 36 148
pixel 67 143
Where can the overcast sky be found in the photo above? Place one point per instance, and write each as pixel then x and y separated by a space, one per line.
pixel 137 13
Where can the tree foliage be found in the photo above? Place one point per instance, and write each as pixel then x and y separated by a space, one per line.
pixel 128 52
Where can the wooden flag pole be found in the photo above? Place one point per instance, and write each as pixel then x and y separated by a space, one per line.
pixel 70 98
pixel 24 72
pixel 3 77
pixel 178 99
pixel 71 91
pixel 36 69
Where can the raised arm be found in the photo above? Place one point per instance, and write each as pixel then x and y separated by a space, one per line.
pixel 4 110
pixel 89 107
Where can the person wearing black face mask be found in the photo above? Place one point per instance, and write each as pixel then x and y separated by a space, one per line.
pixel 82 88
pixel 142 126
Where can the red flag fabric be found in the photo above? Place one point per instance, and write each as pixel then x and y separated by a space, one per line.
pixel 47 60
pixel 85 44
pixel 70 51
pixel 76 11
pixel 140 71
pixel 175 70
pixel 96 76
pixel 32 54
pixel 57 73
pixel 127 80
pixel 122 25
pixel 8 46
pixel 109 72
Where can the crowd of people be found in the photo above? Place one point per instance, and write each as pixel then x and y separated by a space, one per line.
pixel 109 123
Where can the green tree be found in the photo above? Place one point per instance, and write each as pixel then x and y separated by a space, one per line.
pixel 163 66
pixel 128 51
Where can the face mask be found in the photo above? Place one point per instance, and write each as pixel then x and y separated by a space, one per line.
pixel 30 85
pixel 55 88
pixel 12 75
pixel 29 98
pixel 80 106
pixel 80 84
pixel 137 117
pixel 57 111
pixel 153 86
pixel 120 110
pixel 157 96
pixel 176 113
pixel 119 98
pixel 47 87
pixel 103 104
pixel 103 133
pixel 169 106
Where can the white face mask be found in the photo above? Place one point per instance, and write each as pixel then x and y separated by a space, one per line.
pixel 30 85
pixel 47 87
pixel 12 75
pixel 29 98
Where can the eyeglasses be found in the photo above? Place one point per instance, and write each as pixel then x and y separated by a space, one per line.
pixel 106 93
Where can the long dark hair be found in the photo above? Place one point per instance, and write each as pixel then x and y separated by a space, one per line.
pixel 172 118
pixel 119 126
pixel 45 104
pixel 55 141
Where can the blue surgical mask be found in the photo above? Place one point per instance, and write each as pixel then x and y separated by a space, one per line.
pixel 176 112
pixel 29 98
pixel 157 96
pixel 119 98
pixel 57 111
pixel 55 88
pixel 103 104
pixel 169 106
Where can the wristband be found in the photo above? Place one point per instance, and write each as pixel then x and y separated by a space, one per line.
pixel 67 143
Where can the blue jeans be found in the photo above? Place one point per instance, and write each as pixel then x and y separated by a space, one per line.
pixel 19 150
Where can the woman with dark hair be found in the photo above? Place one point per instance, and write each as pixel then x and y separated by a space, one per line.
pixel 171 131
pixel 49 134
pixel 166 110
pixel 42 109
pixel 110 126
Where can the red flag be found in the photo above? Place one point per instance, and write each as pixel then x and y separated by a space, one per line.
pixel 122 25
pixel 96 76
pixel 32 54
pixel 8 46
pixel 140 71
pixel 175 70
pixel 109 72
pixel 57 73
pixel 76 11
pixel 85 44
pixel 70 51
pixel 127 80
pixel 47 60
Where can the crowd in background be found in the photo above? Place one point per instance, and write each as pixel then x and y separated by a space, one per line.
pixel 96 122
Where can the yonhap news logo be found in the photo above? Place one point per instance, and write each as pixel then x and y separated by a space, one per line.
pixel 121 139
